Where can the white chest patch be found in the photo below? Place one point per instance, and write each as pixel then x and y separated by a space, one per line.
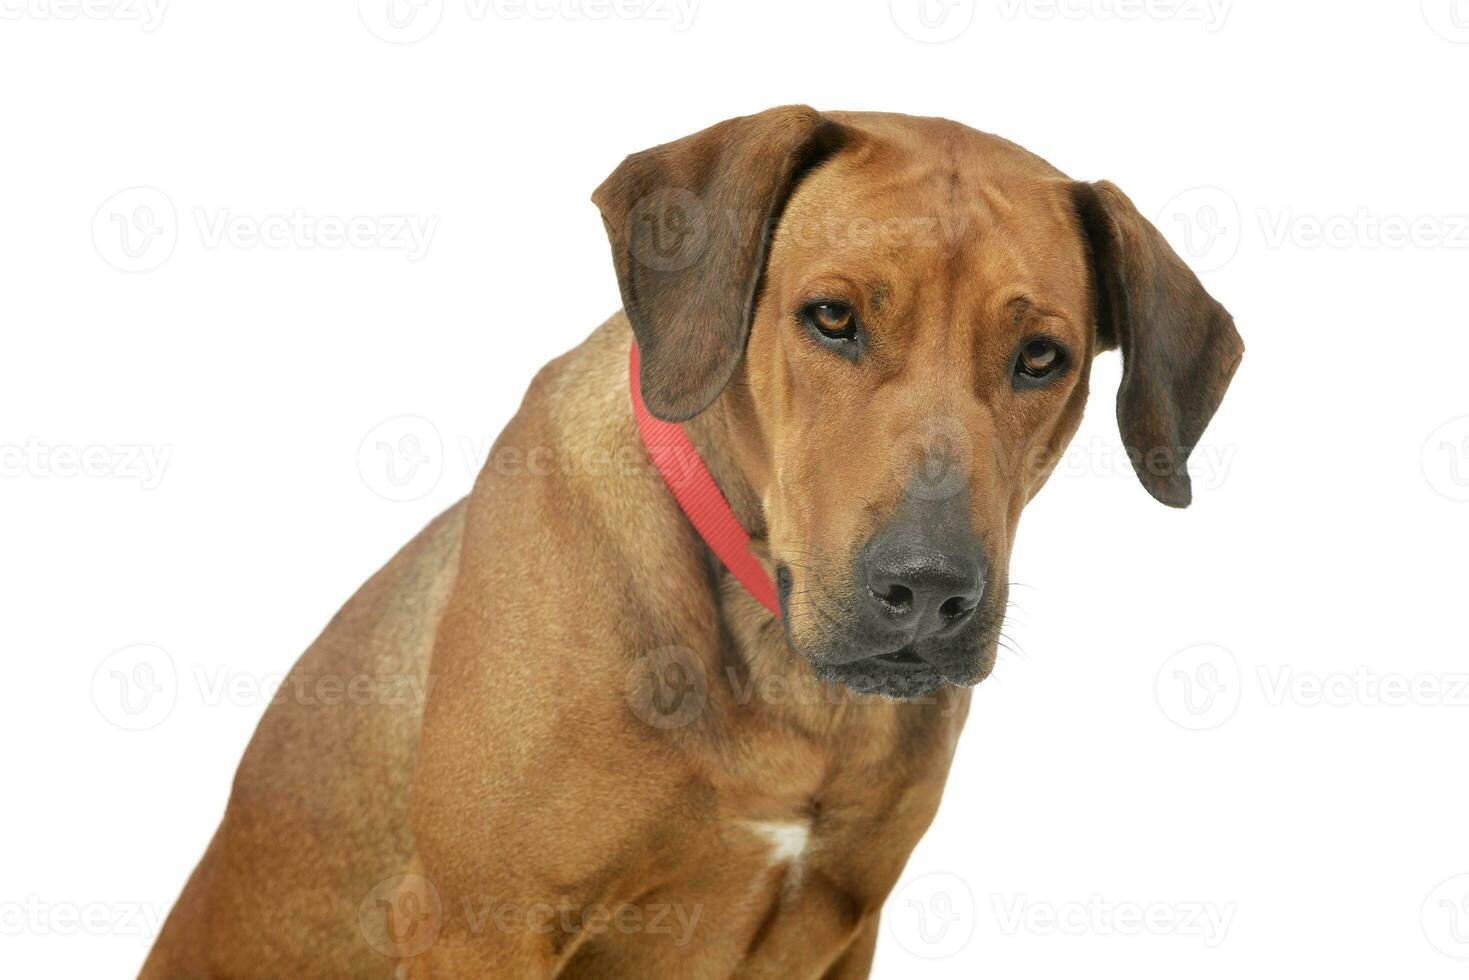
pixel 787 840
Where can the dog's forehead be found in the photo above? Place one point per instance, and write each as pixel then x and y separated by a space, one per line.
pixel 904 190
pixel 935 136
pixel 893 165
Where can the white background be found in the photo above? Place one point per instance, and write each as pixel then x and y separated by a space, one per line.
pixel 1117 768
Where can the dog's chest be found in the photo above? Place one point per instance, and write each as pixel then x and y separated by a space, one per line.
pixel 846 807
pixel 786 841
pixel 784 837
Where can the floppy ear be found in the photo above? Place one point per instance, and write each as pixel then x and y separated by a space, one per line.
pixel 690 223
pixel 1179 346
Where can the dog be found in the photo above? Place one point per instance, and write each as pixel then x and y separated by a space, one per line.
pixel 609 754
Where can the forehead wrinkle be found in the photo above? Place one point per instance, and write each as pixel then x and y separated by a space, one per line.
pixel 957 273
pixel 991 277
pixel 877 294
pixel 903 173
pixel 995 200
pixel 1044 259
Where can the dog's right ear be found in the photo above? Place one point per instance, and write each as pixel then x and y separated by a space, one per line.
pixel 690 223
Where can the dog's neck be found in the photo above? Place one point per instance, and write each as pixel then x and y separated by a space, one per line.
pixel 730 441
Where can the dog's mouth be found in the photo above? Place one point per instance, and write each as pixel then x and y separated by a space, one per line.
pixel 900 676
pixel 904 658
pixel 904 674
pixel 874 659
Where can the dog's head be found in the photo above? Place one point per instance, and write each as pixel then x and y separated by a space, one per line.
pixel 899 314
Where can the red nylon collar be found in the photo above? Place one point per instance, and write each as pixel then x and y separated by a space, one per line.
pixel 698 496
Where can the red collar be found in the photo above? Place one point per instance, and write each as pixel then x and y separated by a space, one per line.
pixel 698 496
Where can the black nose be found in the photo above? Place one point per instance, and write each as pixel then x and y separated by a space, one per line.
pixel 923 589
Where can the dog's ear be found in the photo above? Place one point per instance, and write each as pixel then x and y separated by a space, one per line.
pixel 1179 346
pixel 690 222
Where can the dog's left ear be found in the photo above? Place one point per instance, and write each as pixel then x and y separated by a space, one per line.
pixel 690 223
pixel 1179 346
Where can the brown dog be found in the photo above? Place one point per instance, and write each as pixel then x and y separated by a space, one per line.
pixel 878 330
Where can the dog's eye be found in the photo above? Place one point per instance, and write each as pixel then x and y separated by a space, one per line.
pixel 833 320
pixel 1039 358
